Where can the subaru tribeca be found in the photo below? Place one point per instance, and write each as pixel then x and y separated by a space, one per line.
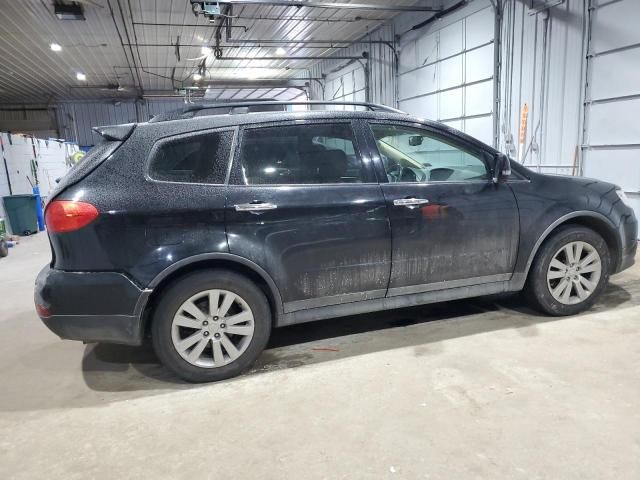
pixel 205 230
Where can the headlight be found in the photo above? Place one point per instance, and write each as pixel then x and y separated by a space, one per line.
pixel 623 197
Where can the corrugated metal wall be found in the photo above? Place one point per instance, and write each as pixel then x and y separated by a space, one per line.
pixel 74 120
pixel 28 119
pixel 345 78
pixel 80 117
pixel 542 67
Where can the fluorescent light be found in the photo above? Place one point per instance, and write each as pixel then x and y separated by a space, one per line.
pixel 81 76
pixel 205 50
pixel 281 51
pixel 55 47
pixel 197 76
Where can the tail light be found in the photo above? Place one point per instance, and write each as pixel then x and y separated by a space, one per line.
pixel 66 215
pixel 43 312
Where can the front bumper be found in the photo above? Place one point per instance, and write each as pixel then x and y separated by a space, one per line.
pixel 629 243
pixel 91 306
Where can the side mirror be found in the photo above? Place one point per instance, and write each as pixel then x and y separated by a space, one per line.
pixel 502 167
pixel 415 140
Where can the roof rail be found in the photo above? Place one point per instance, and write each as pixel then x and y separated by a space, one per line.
pixel 190 110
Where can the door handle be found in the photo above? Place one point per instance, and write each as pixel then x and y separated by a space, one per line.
pixel 409 202
pixel 254 207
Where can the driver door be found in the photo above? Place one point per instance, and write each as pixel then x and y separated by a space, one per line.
pixel 451 225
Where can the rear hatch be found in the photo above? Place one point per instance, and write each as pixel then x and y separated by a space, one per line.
pixel 112 138
pixel 64 217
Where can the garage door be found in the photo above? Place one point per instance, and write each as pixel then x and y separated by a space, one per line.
pixel 346 85
pixel 447 74
pixel 612 130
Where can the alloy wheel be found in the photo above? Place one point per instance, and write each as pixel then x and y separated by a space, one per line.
pixel 212 328
pixel 574 273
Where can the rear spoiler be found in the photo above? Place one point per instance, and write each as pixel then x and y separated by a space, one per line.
pixel 115 132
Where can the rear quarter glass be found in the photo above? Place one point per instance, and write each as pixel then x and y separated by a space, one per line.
pixel 86 165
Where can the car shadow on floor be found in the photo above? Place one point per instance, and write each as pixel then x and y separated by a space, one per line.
pixel 118 368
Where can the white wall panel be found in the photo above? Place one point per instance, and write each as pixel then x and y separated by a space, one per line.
pixel 613 123
pixel 450 72
pixel 480 27
pixel 616 25
pixel 437 91
pixel 451 104
pixel 408 59
pixel 479 64
pixel 613 77
pixel 424 107
pixel 480 128
pixel 427 49
pixel 411 85
pixel 479 98
pixel 4 183
pixel 451 40
pixel 611 74
pixel 616 166
pixel 19 155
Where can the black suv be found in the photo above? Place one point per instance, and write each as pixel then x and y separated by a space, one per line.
pixel 205 230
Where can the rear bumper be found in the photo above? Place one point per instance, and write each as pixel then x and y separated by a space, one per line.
pixel 91 306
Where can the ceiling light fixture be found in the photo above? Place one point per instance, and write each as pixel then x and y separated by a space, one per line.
pixel 197 76
pixel 55 47
pixel 81 76
pixel 281 51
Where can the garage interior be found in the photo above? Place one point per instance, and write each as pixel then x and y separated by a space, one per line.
pixel 481 388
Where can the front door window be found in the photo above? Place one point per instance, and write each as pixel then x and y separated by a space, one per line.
pixel 413 155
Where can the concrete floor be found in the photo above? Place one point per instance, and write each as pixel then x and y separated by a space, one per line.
pixel 483 388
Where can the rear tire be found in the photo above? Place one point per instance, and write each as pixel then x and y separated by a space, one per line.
pixel 210 325
pixel 4 249
pixel 570 271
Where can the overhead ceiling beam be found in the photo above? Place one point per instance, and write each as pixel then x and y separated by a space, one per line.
pixel 194 25
pixel 320 46
pixel 254 43
pixel 307 57
pixel 265 82
pixel 337 6
pixel 306 42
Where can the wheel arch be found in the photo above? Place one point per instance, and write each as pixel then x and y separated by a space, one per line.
pixel 593 220
pixel 206 261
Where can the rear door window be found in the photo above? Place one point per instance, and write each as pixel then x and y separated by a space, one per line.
pixel 194 158
pixel 300 154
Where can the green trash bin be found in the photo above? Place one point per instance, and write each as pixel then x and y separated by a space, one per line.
pixel 22 213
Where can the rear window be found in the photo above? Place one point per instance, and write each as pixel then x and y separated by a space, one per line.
pixel 195 158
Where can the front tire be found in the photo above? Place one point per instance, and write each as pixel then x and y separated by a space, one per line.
pixel 569 272
pixel 4 248
pixel 210 325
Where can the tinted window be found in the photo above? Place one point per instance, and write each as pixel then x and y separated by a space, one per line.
pixel 413 155
pixel 300 154
pixel 200 158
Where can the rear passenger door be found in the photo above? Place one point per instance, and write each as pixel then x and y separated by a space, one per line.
pixel 303 203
